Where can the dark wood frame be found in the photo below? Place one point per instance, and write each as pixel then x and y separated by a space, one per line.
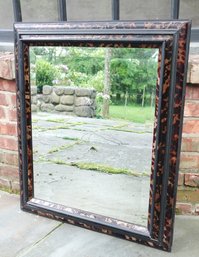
pixel 172 39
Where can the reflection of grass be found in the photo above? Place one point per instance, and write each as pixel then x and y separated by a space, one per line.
pixel 63 147
pixel 120 126
pixel 70 138
pixel 79 129
pixel 106 169
pixel 60 162
pixel 96 167
pixel 132 113
pixel 37 127
pixel 127 130
pixel 56 120
pixel 42 129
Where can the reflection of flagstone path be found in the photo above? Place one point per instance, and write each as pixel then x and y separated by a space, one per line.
pixel 68 149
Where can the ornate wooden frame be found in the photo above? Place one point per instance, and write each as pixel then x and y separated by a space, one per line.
pixel 172 39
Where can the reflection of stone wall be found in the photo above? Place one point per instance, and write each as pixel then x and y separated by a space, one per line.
pixel 67 100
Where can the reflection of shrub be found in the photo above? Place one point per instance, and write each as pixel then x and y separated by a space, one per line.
pixel 45 74
pixel 99 103
pixel 97 81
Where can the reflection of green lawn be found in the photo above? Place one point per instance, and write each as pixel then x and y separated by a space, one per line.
pixel 132 113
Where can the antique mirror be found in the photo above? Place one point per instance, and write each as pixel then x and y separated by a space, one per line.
pixel 100 109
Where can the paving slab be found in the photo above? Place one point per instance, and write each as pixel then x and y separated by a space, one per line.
pixel 27 235
pixel 116 143
pixel 19 230
pixel 71 241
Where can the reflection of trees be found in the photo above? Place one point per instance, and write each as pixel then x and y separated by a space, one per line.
pixel 107 83
pixel 133 73
pixel 125 74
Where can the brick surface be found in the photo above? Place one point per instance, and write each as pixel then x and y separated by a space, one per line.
pixel 192 92
pixel 181 179
pixel 193 69
pixel 2 113
pixel 184 208
pixel 191 108
pixel 9 171
pixel 8 129
pixel 4 99
pixel 197 209
pixel 9 157
pixel 8 113
pixel 7 85
pixel 190 144
pixel 7 99
pixel 13 99
pixel 192 179
pixel 191 126
pixel 12 114
pixel 9 143
pixel 189 161
pixel 7 66
pixel 15 185
pixel 5 183
pixel 188 194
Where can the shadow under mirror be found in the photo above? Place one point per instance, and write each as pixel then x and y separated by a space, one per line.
pixel 92 128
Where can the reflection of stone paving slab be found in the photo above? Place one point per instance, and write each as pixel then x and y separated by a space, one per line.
pixel 113 143
pixel 117 156
pixel 95 142
pixel 120 196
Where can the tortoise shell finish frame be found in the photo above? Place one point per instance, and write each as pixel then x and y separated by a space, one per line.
pixel 172 40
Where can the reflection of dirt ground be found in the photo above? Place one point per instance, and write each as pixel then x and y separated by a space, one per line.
pixel 67 150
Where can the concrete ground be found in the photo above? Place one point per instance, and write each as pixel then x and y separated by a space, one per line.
pixel 27 235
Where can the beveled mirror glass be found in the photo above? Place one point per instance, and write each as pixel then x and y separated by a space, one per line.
pixel 99 117
pixel 92 125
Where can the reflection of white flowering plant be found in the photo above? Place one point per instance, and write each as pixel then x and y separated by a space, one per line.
pixel 63 67
pixel 106 97
pixel 100 95
pixel 62 76
pixel 103 96
pixel 55 81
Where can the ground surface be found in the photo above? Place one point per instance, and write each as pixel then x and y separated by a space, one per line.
pixel 27 235
pixel 68 149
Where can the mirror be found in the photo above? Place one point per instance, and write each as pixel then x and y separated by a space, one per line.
pixel 100 108
pixel 92 123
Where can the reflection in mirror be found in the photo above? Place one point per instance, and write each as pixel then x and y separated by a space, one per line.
pixel 92 121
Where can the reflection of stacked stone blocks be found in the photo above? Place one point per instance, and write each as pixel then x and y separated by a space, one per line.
pixel 67 100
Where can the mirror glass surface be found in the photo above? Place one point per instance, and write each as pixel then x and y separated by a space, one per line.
pixel 92 128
